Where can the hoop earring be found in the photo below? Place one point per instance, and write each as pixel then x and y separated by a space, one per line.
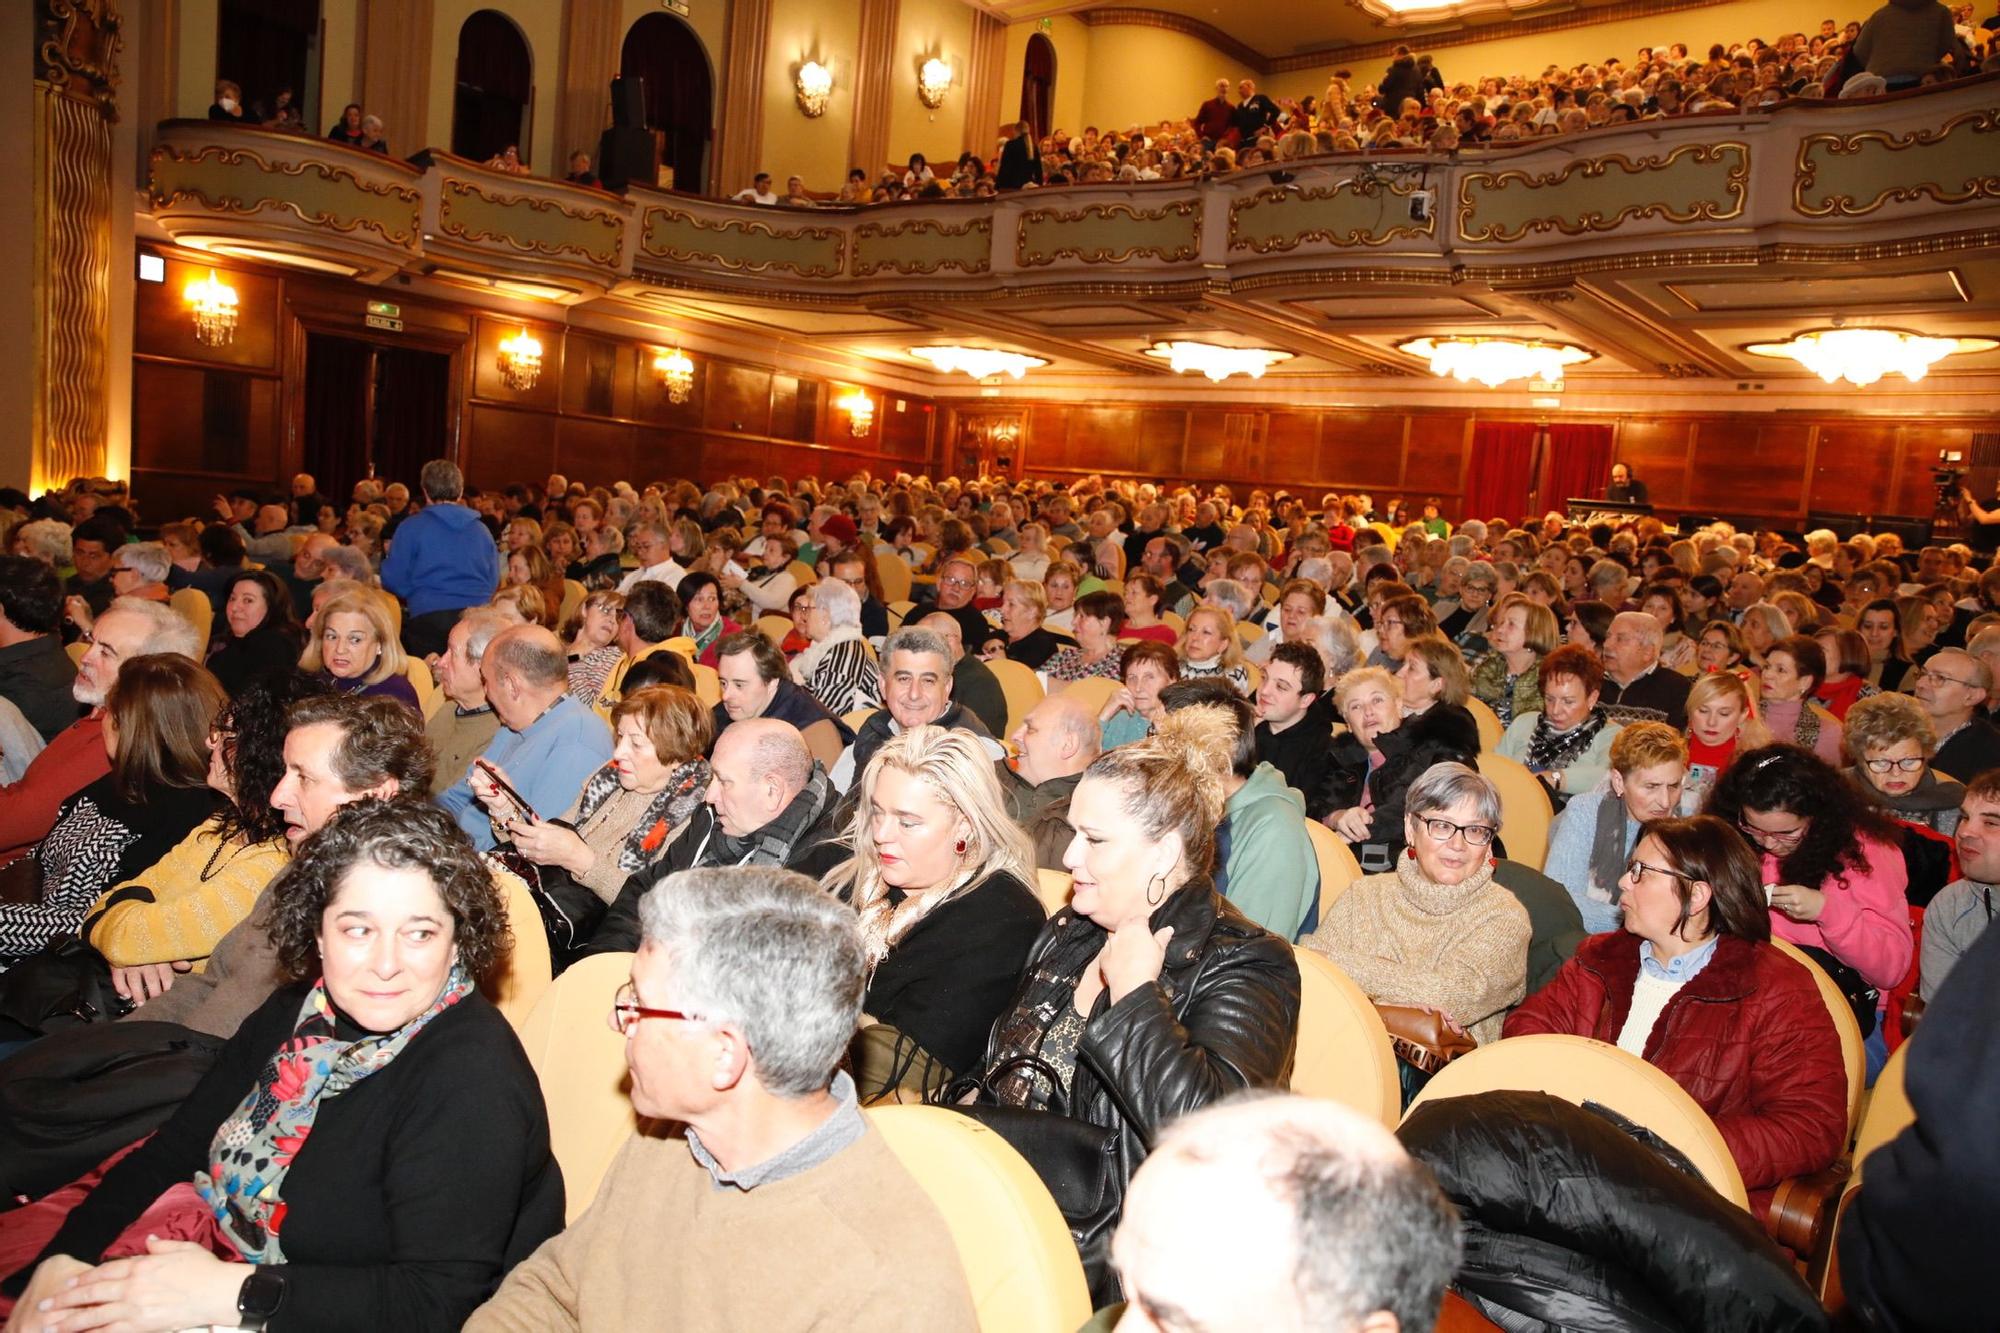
pixel 1155 899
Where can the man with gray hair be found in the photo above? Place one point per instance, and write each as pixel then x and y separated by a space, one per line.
pixel 652 547
pixel 1952 685
pixel 1282 1212
pixel 460 731
pixel 768 803
pixel 76 757
pixel 442 560
pixel 916 692
pixel 775 1204
pixel 1056 741
pixel 547 744
pixel 1636 687
pixel 347 562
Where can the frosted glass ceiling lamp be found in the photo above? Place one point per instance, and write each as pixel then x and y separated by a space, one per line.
pixel 978 362
pixel 1216 362
pixel 1863 356
pixel 1495 361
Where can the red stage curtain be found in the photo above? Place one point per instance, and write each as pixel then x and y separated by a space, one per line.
pixel 1579 462
pixel 1503 459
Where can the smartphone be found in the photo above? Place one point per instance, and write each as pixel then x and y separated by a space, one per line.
pixel 521 805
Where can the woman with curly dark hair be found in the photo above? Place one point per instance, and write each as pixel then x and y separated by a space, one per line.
pixel 167 918
pixel 259 635
pixel 370 1150
pixel 1833 867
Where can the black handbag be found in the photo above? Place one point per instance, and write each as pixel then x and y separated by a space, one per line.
pixel 570 912
pixel 1861 997
pixel 65 985
pixel 1076 1160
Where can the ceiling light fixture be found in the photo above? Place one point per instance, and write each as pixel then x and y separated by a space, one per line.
pixel 815 85
pixel 675 370
pixel 1495 361
pixel 214 304
pixel 520 362
pixel 933 82
pixel 1216 362
pixel 1862 356
pixel 978 362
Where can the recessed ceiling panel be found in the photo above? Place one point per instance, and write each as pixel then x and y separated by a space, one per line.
pixel 1372 309
pixel 1940 286
pixel 791 319
pixel 1087 315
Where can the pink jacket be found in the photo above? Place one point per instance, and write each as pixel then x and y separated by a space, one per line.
pixel 1866 920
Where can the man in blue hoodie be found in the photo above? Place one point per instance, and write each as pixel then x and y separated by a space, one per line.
pixel 441 561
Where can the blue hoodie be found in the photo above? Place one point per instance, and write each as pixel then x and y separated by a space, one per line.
pixel 442 559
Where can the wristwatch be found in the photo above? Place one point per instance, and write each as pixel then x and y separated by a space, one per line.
pixel 259 1298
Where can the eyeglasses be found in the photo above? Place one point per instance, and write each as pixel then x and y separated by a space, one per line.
pixel 626 1010
pixel 1925 673
pixel 1443 830
pixel 1635 868
pixel 955 583
pixel 1765 837
pixel 1899 765
pixel 1385 624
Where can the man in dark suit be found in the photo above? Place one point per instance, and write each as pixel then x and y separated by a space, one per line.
pixel 1020 160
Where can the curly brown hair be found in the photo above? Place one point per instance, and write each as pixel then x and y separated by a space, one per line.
pixel 401 834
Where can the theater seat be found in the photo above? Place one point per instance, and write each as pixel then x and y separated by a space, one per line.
pixel 1052 887
pixel 1095 692
pixel 524 975
pixel 572 601
pixel 1579 1070
pixel 1525 814
pixel 857 717
pixel 1488 722
pixel 1337 867
pixel 429 696
pixel 707 685
pixel 1343 1052
pixel 1889 1111
pixel 580 1060
pixel 195 608
pixel 774 627
pixel 1016 1250
pixel 894 573
pixel 1020 686
pixel 1852 1054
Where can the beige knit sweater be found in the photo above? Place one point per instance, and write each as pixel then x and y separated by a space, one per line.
pixel 851 1243
pixel 1406 939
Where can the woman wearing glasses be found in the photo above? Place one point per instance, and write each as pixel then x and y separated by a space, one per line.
pixel 1890 741
pixel 1692 986
pixel 1832 866
pixel 1436 931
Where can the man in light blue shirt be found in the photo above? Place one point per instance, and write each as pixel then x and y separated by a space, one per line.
pixel 548 744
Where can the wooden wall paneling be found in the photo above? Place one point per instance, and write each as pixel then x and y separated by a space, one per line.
pixel 906 426
pixel 597 376
pixel 1911 490
pixel 1291 445
pixel 1854 467
pixel 1657 450
pixel 163 322
pixel 739 399
pixel 1746 466
pixel 1160 439
pixel 504 445
pixel 489 332
pixel 650 400
pixel 1045 442
pixel 1204 448
pixel 1102 438
pixel 1434 457
pixel 599 450
pixel 1361 450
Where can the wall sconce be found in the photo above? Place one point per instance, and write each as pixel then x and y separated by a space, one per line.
pixel 214 305
pixel 676 374
pixel 933 82
pixel 860 409
pixel 815 85
pixel 520 362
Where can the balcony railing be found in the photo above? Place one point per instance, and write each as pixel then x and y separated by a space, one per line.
pixel 1809 177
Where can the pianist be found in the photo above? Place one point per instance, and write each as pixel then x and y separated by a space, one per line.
pixel 1624 487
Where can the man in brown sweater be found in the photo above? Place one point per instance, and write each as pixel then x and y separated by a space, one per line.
pixel 777 1206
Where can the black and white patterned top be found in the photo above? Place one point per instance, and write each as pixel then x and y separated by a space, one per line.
pixel 98 841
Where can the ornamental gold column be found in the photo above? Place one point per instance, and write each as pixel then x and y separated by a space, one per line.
pixel 75 91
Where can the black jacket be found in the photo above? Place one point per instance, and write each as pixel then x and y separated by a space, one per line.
pixel 1571 1222
pixel 1402 81
pixel 36 676
pixel 1037 646
pixel 945 982
pixel 1442 732
pixel 419 1188
pixel 1223 1016
pixel 1019 164
pixel 1303 753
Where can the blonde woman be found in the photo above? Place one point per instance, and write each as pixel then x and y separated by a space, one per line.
pixel 1722 722
pixel 594 649
pixel 354 647
pixel 940 877
pixel 1210 648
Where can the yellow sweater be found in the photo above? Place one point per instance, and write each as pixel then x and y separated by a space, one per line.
pixel 179 907
pixel 853 1242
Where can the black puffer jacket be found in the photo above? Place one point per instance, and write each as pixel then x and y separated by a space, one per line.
pixel 1571 1223
pixel 1223 1017
pixel 1441 732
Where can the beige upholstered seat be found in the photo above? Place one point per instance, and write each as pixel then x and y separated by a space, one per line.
pixel 1343 1052
pixel 520 981
pixel 1488 722
pixel 1020 685
pixel 580 1060
pixel 1525 814
pixel 1852 1054
pixel 1337 866
pixel 1052 887
pixel 195 608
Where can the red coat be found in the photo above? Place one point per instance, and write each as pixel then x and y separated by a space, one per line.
pixel 1749 1039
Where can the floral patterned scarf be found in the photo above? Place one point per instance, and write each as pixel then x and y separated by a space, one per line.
pixel 254 1149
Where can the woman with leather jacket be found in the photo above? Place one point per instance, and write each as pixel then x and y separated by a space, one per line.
pixel 1148 995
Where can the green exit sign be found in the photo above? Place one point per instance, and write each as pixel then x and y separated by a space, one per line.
pixel 386 309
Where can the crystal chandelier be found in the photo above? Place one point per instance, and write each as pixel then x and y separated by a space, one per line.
pixel 520 362
pixel 1218 363
pixel 1862 356
pixel 1494 361
pixel 214 305
pixel 860 409
pixel 675 371
pixel 978 362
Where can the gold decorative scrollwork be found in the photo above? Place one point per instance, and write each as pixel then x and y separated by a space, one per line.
pixel 1973 186
pixel 745 229
pixel 1735 188
pixel 455 189
pixel 1100 254
pixel 923 226
pixel 328 172
pixel 1350 236
pixel 78 50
